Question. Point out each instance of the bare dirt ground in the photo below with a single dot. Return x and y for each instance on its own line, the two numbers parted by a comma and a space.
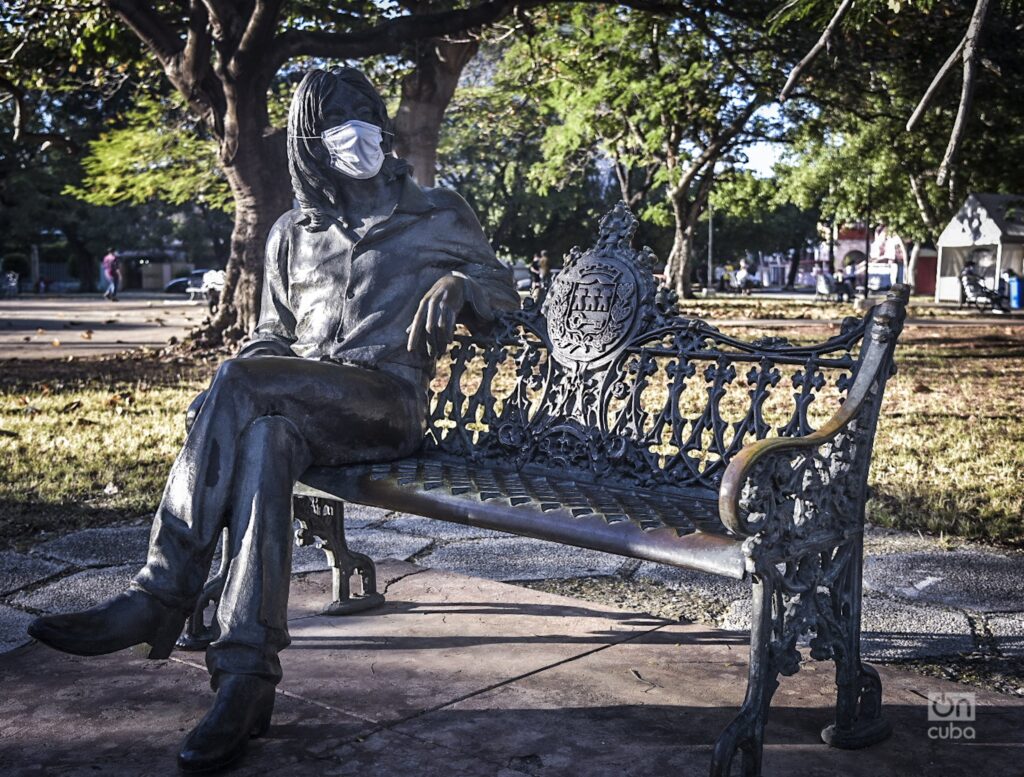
88, 325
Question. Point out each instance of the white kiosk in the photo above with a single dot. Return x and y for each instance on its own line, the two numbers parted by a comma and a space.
989, 229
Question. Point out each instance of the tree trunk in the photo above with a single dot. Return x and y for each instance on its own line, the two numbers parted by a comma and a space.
84, 265
680, 259
258, 176
911, 273
832, 245
794, 267
426, 92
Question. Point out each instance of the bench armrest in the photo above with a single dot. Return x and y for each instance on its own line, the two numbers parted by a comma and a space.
792, 488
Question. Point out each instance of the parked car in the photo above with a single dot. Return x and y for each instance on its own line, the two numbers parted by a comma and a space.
200, 284
182, 285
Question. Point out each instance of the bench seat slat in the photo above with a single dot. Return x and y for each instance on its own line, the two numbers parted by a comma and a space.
677, 528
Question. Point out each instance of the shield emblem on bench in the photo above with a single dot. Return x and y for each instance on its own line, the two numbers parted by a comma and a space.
593, 307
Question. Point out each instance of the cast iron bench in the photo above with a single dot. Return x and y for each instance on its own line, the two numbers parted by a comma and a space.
603, 419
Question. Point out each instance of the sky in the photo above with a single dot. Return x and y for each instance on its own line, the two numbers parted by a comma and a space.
762, 158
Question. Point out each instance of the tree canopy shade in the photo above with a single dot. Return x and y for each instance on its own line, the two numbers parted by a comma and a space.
57, 94
753, 215
967, 53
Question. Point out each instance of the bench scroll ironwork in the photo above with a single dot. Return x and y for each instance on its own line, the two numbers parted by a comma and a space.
603, 418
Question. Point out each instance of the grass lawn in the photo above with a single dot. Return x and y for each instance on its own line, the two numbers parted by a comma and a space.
89, 442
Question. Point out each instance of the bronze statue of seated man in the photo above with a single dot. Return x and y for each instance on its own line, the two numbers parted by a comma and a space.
364, 283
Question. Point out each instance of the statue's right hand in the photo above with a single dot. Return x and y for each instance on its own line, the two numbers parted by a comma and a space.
193, 410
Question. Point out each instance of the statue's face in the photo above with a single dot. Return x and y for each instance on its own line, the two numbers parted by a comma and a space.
347, 104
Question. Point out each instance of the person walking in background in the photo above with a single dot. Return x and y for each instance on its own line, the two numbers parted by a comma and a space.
112, 272
540, 274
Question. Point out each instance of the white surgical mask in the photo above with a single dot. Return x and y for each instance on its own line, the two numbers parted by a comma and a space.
355, 148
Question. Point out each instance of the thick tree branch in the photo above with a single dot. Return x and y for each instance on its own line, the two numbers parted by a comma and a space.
387, 37
194, 61
621, 174
185, 62
924, 208
816, 49
933, 87
259, 32
228, 26
156, 34
971, 40
712, 151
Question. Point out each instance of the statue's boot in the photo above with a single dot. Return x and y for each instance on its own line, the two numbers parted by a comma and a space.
129, 619
241, 711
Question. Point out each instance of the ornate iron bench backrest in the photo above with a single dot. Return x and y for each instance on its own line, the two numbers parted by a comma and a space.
606, 382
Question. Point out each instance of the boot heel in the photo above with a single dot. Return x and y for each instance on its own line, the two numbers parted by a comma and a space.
163, 641
262, 723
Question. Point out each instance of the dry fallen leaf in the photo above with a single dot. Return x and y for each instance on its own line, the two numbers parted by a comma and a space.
55, 343
40, 331
110, 489
121, 398
86, 335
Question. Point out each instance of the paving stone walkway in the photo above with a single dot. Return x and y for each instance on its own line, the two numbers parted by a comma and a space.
921, 601
464, 677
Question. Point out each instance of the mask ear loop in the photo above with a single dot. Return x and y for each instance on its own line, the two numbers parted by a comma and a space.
321, 137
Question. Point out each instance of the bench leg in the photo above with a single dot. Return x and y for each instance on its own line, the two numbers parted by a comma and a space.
859, 722
197, 634
322, 524
746, 732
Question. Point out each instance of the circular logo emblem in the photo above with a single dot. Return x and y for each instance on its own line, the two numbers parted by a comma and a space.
592, 309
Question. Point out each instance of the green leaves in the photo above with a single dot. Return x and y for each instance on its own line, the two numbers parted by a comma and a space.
153, 155
490, 142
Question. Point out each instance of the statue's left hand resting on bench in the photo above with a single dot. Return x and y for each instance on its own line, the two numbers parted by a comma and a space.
364, 283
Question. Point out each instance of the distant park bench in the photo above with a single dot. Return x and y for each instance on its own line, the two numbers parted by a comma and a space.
981, 296
603, 419
829, 288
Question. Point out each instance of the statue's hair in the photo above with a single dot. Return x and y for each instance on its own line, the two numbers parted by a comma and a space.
308, 160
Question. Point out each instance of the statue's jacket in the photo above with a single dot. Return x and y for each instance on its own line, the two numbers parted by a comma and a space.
333, 296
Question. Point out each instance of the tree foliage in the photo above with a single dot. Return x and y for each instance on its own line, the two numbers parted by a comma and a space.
153, 155
491, 143
225, 57
666, 100
753, 216
852, 155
